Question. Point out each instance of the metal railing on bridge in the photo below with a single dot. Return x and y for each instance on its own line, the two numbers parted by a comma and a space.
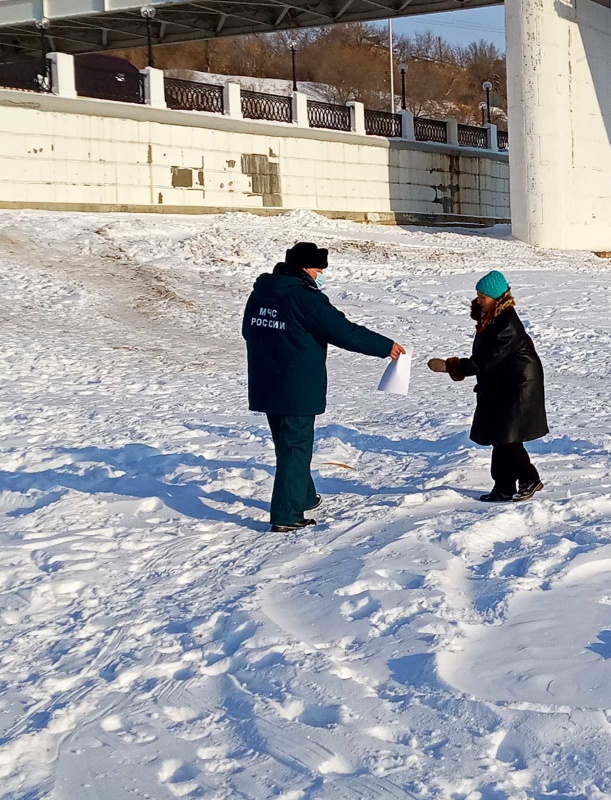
473, 136
272, 107
121, 81
382, 123
28, 75
430, 130
193, 96
328, 115
109, 83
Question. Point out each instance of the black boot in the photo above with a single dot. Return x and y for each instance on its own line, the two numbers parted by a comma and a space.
294, 527
527, 490
316, 505
496, 496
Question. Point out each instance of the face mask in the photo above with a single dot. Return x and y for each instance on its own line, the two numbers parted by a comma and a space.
320, 281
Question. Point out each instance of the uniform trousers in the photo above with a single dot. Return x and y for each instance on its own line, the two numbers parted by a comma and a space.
294, 490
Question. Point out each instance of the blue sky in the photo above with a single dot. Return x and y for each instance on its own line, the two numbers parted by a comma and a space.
460, 27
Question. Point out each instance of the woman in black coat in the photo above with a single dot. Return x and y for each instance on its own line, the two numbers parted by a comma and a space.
510, 389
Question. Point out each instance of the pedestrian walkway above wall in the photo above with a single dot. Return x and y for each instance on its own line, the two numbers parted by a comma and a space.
175, 144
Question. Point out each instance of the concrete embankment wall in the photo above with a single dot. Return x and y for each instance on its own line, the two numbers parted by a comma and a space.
76, 153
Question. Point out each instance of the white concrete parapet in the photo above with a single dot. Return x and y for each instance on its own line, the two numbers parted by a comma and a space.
300, 110
452, 132
407, 125
154, 87
357, 117
493, 141
232, 99
62, 74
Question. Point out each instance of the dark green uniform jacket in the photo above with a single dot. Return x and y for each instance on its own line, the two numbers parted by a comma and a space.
288, 324
510, 387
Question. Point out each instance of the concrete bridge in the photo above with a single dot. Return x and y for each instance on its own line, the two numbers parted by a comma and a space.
559, 63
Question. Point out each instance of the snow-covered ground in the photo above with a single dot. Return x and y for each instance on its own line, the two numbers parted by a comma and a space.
159, 642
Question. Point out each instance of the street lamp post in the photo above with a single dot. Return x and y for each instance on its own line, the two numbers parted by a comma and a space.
148, 12
43, 26
487, 87
403, 70
482, 108
293, 46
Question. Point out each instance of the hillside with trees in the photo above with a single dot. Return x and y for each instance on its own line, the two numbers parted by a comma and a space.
353, 62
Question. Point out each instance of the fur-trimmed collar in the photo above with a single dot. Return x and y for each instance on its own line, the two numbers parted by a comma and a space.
504, 302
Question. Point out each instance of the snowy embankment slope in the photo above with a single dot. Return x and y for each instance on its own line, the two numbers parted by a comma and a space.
315, 91
159, 642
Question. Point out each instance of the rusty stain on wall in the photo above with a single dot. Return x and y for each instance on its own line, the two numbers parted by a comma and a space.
447, 194
182, 178
265, 176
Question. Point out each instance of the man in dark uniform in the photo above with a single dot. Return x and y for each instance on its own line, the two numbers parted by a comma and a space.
288, 324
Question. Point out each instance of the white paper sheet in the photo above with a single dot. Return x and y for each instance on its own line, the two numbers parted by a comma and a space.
396, 377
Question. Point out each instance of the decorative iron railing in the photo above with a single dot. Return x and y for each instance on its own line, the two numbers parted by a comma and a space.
273, 107
126, 86
328, 115
473, 136
430, 130
29, 75
503, 140
193, 96
382, 123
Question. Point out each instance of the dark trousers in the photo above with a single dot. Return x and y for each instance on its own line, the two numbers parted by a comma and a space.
294, 490
511, 463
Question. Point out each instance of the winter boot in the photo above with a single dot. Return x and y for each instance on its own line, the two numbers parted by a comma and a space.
316, 505
295, 527
527, 490
495, 496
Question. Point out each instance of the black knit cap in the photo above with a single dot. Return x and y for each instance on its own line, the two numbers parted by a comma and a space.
308, 255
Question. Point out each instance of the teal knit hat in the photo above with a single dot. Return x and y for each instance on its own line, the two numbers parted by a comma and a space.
493, 285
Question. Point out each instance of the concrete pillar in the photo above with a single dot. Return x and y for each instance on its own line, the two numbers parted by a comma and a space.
407, 125
452, 129
357, 117
154, 88
62, 74
300, 110
493, 137
232, 99
558, 64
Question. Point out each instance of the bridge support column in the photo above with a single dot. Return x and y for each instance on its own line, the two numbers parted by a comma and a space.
559, 62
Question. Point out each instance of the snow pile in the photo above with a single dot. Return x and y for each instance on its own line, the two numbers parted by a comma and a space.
315, 91
160, 642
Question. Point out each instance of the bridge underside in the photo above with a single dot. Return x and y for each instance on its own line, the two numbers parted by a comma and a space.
84, 26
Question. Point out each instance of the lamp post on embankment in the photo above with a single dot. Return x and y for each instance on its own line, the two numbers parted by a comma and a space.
482, 108
293, 46
148, 12
403, 70
487, 87
43, 26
